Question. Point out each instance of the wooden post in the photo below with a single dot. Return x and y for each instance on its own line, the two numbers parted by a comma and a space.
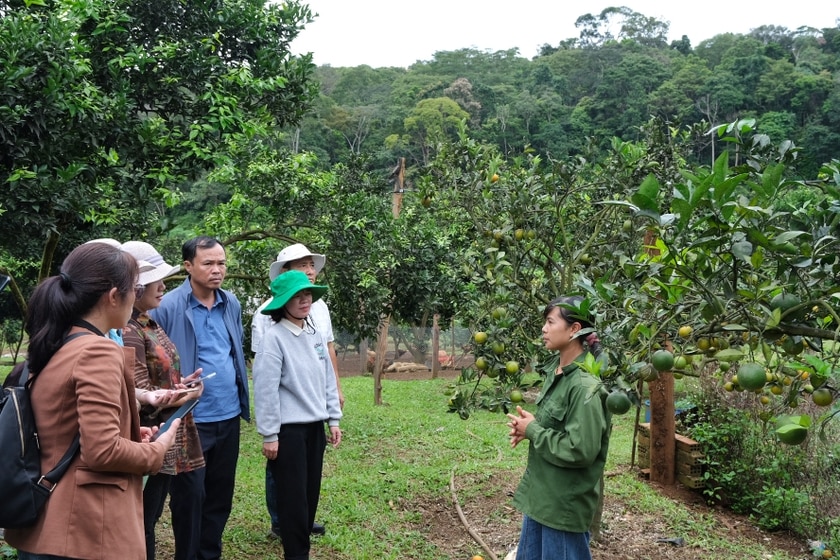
435, 346
662, 429
382, 342
662, 422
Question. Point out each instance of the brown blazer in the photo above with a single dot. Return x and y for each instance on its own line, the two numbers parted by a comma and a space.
96, 510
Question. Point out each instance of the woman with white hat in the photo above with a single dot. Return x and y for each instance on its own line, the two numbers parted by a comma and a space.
160, 387
295, 395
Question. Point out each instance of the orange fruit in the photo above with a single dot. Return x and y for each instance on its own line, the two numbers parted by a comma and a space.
662, 360
618, 402
792, 434
751, 376
822, 397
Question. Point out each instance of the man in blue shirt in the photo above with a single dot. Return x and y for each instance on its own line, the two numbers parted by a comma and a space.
205, 324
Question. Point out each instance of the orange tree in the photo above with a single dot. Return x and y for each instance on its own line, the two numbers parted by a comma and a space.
539, 229
742, 252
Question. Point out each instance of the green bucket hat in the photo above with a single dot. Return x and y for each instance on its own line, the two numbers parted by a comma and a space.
286, 285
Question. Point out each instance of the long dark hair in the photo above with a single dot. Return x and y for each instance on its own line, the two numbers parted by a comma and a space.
87, 273
279, 314
572, 312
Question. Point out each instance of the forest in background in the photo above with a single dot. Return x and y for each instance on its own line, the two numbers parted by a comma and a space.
577, 95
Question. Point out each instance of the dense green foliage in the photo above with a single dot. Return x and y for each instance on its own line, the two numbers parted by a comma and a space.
596, 86
106, 107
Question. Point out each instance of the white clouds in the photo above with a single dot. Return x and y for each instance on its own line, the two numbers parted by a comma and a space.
388, 33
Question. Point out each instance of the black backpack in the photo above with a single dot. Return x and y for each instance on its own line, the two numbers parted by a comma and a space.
23, 491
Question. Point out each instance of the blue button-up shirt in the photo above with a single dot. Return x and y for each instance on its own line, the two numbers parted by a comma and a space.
220, 400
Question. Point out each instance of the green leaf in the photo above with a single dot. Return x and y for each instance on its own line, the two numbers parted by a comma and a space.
646, 198
729, 355
743, 250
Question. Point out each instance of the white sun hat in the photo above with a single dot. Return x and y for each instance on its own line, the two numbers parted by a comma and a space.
142, 251
293, 253
144, 266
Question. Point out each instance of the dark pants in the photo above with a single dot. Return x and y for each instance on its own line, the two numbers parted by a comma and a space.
297, 475
154, 496
201, 500
271, 500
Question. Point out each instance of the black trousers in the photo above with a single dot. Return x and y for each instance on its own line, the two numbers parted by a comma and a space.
154, 497
201, 500
297, 474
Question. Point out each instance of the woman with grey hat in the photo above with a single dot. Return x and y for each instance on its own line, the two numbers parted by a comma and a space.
161, 389
295, 394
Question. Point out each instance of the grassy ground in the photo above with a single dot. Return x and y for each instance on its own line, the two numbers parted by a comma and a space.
394, 468
400, 455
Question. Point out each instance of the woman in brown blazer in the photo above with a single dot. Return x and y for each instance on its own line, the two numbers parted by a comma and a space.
86, 386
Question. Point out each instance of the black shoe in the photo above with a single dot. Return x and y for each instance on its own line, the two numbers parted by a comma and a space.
318, 529
274, 533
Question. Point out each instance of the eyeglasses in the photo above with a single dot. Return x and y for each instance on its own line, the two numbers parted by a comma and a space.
138, 290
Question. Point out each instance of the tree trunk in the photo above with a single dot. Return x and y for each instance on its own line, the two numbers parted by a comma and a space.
435, 346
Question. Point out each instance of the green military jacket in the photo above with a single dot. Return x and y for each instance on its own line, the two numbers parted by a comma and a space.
567, 450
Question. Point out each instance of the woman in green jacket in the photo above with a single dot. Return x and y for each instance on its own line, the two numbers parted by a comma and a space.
568, 440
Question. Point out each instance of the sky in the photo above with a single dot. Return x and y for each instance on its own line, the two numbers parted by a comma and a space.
399, 32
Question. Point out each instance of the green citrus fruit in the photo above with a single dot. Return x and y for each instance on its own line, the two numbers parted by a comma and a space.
512, 367
482, 364
627, 226
783, 302
516, 396
519, 234
618, 402
498, 348
662, 360
480, 337
724, 366
704, 344
822, 397
685, 331
792, 347
649, 373
680, 362
751, 376
498, 313
492, 373
792, 434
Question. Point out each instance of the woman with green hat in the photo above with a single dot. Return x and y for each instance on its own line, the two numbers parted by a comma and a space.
295, 394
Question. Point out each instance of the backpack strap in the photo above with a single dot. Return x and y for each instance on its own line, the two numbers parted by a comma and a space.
49, 480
